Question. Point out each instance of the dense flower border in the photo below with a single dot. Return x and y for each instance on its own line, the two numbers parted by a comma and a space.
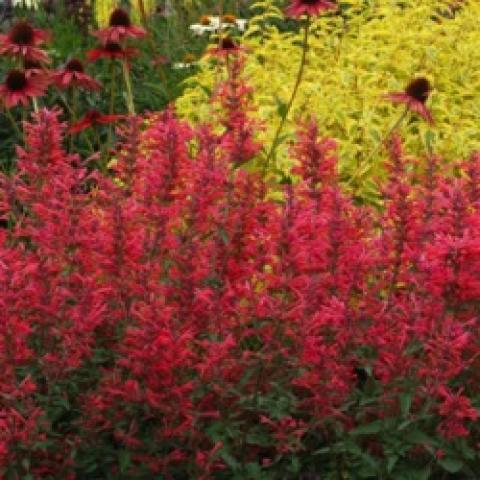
174, 317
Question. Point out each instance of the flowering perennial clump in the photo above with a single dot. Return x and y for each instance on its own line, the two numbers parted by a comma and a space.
176, 305
171, 317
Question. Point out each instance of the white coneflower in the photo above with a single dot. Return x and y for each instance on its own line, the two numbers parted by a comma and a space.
213, 24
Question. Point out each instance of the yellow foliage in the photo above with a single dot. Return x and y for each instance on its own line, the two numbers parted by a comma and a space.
102, 10
148, 6
373, 48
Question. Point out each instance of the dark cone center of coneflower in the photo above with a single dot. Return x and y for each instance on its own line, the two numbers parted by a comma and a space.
74, 65
29, 64
419, 89
119, 18
16, 81
113, 47
22, 33
229, 18
228, 44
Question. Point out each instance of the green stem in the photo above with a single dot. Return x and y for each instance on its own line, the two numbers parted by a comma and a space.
73, 112
367, 161
128, 85
150, 40
64, 101
298, 80
9, 115
111, 109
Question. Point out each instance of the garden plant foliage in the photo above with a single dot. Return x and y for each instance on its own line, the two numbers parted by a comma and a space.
355, 57
273, 279
168, 319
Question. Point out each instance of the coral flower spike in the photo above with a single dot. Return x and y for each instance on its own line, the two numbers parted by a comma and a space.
22, 42
309, 7
414, 97
19, 88
73, 75
119, 28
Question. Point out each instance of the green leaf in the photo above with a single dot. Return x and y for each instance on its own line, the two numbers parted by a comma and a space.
417, 437
281, 107
429, 140
229, 460
451, 465
259, 439
369, 429
405, 403
124, 460
391, 462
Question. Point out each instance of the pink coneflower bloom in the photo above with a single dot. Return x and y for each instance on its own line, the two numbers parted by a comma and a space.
22, 42
309, 7
19, 88
119, 28
111, 50
73, 75
94, 117
37, 72
225, 47
414, 97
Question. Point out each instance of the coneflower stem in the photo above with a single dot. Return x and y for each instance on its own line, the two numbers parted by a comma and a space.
74, 112
128, 85
298, 80
9, 115
113, 84
35, 104
163, 78
146, 26
64, 101
367, 161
